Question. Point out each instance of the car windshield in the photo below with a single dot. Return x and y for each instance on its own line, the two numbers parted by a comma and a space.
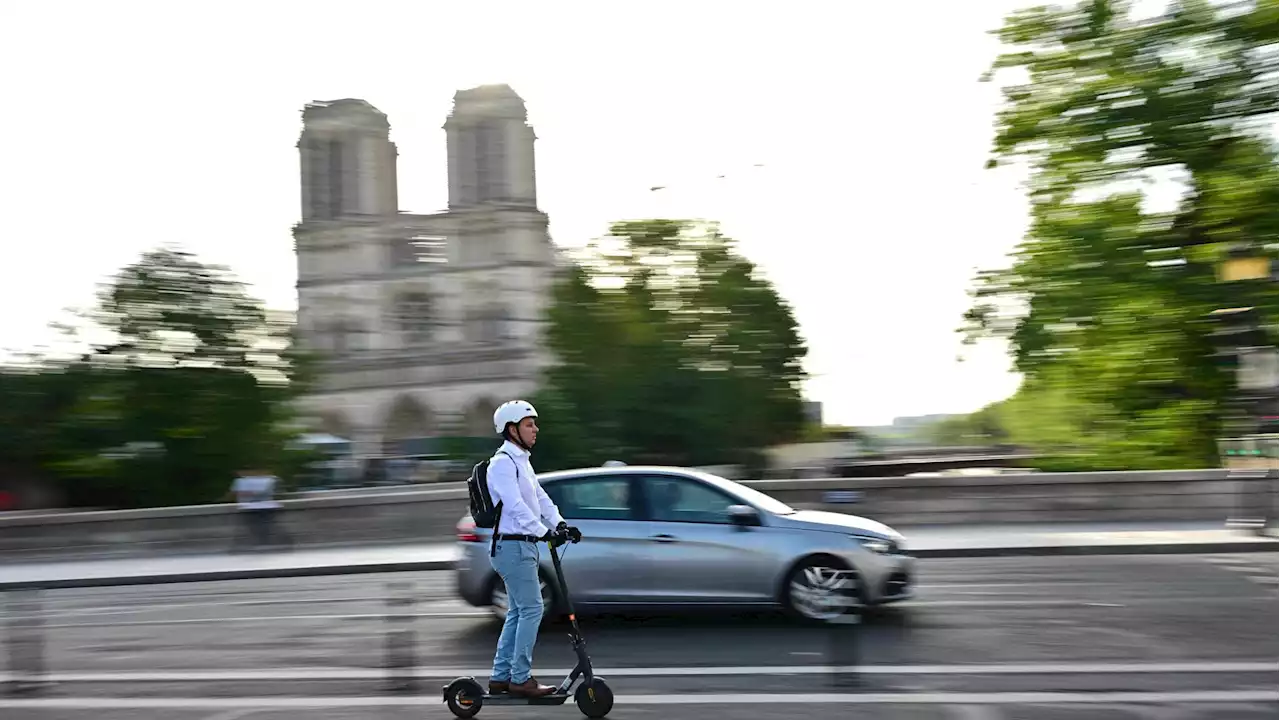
765, 502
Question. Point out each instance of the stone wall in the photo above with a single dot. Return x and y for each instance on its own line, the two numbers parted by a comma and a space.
349, 518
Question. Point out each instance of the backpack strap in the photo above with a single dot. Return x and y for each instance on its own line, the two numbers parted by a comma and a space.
497, 509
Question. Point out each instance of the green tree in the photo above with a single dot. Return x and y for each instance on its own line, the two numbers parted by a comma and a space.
670, 348
1106, 302
984, 427
34, 401
196, 382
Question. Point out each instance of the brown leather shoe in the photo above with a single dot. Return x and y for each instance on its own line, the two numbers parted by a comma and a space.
530, 689
497, 687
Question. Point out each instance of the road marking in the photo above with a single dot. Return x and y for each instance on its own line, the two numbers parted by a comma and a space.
463, 611
454, 614
1226, 559
233, 714
1254, 572
1080, 602
144, 609
1016, 584
1162, 712
925, 698
295, 674
975, 712
219, 588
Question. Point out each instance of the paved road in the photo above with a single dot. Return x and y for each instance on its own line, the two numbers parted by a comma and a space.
768, 711
1074, 627
1226, 710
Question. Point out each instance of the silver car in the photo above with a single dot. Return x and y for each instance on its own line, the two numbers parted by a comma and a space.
657, 538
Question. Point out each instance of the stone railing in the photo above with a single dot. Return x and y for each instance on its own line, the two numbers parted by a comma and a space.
412, 515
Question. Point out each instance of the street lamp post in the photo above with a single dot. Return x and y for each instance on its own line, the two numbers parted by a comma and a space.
1249, 450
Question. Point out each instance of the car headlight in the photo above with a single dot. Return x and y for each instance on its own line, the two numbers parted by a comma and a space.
877, 545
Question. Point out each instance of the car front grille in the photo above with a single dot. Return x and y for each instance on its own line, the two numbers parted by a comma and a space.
897, 584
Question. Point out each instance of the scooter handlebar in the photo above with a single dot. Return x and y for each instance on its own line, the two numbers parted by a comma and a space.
562, 535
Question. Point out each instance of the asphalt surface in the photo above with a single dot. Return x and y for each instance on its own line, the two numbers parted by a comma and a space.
1194, 635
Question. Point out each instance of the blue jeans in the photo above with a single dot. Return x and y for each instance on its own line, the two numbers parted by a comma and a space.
516, 561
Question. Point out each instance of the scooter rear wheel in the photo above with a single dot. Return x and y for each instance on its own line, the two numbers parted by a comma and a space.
594, 699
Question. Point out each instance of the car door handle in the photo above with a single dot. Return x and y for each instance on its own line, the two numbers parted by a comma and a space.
664, 538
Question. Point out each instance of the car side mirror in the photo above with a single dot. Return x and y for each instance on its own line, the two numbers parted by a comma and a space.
743, 516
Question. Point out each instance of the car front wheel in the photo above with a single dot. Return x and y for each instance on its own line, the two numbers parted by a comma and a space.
499, 600
821, 589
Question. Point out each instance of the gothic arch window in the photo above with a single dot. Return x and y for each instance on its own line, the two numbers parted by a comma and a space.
478, 421
349, 335
326, 175
335, 423
339, 339
336, 176
487, 324
407, 419
414, 316
491, 156
402, 254
338, 336
477, 249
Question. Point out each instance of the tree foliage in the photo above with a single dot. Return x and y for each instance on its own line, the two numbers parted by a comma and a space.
984, 427
1106, 304
670, 348
195, 383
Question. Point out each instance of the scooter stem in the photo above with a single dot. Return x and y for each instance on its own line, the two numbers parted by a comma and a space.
564, 589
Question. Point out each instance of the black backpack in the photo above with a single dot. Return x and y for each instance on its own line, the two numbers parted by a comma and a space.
483, 511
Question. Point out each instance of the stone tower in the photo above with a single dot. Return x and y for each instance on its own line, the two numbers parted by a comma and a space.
348, 161
490, 150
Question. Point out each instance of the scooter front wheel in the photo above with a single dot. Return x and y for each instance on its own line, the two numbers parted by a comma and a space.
465, 698
594, 699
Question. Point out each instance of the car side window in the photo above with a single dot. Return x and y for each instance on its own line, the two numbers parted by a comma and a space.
597, 498
673, 499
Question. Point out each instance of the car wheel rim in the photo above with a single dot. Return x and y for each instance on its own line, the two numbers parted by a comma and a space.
500, 601
822, 593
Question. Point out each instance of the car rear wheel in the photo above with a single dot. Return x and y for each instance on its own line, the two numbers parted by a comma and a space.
819, 589
499, 600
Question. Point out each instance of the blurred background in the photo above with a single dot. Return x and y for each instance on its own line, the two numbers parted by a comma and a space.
991, 273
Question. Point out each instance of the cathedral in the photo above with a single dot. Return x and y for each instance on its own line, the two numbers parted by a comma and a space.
423, 323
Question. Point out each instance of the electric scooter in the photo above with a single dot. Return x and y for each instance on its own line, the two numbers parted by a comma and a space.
465, 696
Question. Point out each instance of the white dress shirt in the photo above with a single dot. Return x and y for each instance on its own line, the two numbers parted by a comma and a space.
525, 504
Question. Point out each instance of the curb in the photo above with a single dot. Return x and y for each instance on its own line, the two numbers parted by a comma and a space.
1155, 548
1187, 548
217, 575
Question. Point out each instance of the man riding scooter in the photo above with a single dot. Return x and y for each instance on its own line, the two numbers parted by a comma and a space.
525, 506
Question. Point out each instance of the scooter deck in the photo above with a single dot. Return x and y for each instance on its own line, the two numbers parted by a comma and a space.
505, 699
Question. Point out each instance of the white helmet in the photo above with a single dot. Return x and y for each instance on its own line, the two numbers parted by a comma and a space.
511, 412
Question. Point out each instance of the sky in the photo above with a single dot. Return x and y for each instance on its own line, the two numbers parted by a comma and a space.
132, 125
